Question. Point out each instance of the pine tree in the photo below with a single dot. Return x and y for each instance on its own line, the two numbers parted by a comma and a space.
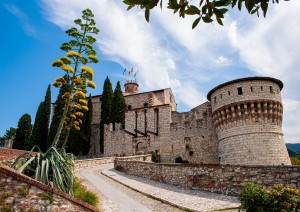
119, 106
41, 123
23, 133
58, 112
106, 109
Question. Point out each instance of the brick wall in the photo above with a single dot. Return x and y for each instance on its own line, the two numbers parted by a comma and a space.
224, 179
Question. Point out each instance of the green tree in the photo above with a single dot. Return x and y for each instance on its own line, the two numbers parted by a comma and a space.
119, 106
57, 114
86, 144
9, 134
23, 133
41, 123
205, 10
106, 109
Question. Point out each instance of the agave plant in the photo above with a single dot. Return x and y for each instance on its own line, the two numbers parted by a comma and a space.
54, 167
51, 168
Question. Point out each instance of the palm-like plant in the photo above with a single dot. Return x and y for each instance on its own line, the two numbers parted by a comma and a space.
54, 167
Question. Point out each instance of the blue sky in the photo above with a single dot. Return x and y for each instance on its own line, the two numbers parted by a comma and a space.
167, 52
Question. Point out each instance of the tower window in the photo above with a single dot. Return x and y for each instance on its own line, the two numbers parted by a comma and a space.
221, 96
240, 90
215, 99
146, 104
129, 107
271, 89
228, 93
251, 88
261, 88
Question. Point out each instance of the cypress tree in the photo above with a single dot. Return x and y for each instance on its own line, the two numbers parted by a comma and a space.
58, 112
106, 109
41, 123
23, 133
119, 106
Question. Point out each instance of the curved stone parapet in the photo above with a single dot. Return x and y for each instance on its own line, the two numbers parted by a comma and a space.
247, 115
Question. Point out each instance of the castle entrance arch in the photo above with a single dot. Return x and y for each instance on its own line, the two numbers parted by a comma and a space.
140, 145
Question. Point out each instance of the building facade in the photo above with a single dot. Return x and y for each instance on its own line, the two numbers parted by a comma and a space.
239, 124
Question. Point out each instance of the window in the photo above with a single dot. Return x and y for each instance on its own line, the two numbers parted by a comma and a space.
240, 90
271, 89
251, 88
228, 93
215, 99
221, 96
146, 104
129, 107
261, 88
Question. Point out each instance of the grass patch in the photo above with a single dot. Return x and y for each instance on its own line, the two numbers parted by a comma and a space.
47, 196
5, 195
80, 192
23, 191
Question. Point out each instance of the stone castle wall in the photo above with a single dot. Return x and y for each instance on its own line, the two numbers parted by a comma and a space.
178, 134
193, 133
225, 179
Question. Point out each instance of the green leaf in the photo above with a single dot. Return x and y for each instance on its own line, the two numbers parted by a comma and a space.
22, 168
240, 4
196, 22
233, 3
192, 10
264, 6
219, 21
218, 13
249, 5
147, 15
207, 19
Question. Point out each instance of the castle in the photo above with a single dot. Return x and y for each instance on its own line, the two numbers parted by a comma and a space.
239, 124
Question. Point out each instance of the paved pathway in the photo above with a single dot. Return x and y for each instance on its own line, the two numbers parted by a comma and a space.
118, 199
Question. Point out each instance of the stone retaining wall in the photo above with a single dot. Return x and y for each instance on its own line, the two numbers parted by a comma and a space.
21, 193
225, 179
80, 164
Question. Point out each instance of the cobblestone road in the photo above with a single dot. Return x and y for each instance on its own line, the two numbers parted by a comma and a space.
186, 199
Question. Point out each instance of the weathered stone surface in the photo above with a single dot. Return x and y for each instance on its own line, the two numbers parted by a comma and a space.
211, 177
240, 125
33, 200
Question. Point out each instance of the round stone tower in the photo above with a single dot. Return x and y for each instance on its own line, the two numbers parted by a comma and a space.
131, 86
247, 115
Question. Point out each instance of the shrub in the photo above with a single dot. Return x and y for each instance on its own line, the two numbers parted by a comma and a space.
280, 198
253, 198
295, 161
154, 157
83, 194
178, 159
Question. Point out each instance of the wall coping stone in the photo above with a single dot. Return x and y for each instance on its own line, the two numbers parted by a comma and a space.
17, 175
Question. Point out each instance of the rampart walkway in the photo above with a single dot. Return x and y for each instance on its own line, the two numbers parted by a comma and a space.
192, 200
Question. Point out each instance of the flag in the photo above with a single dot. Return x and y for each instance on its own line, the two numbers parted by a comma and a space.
124, 71
129, 72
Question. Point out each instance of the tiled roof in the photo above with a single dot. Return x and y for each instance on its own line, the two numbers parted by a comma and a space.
7, 154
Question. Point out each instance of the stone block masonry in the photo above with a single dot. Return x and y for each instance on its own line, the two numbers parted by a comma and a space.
224, 179
21, 193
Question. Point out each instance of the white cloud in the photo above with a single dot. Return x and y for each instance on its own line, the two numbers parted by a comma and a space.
168, 53
271, 47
